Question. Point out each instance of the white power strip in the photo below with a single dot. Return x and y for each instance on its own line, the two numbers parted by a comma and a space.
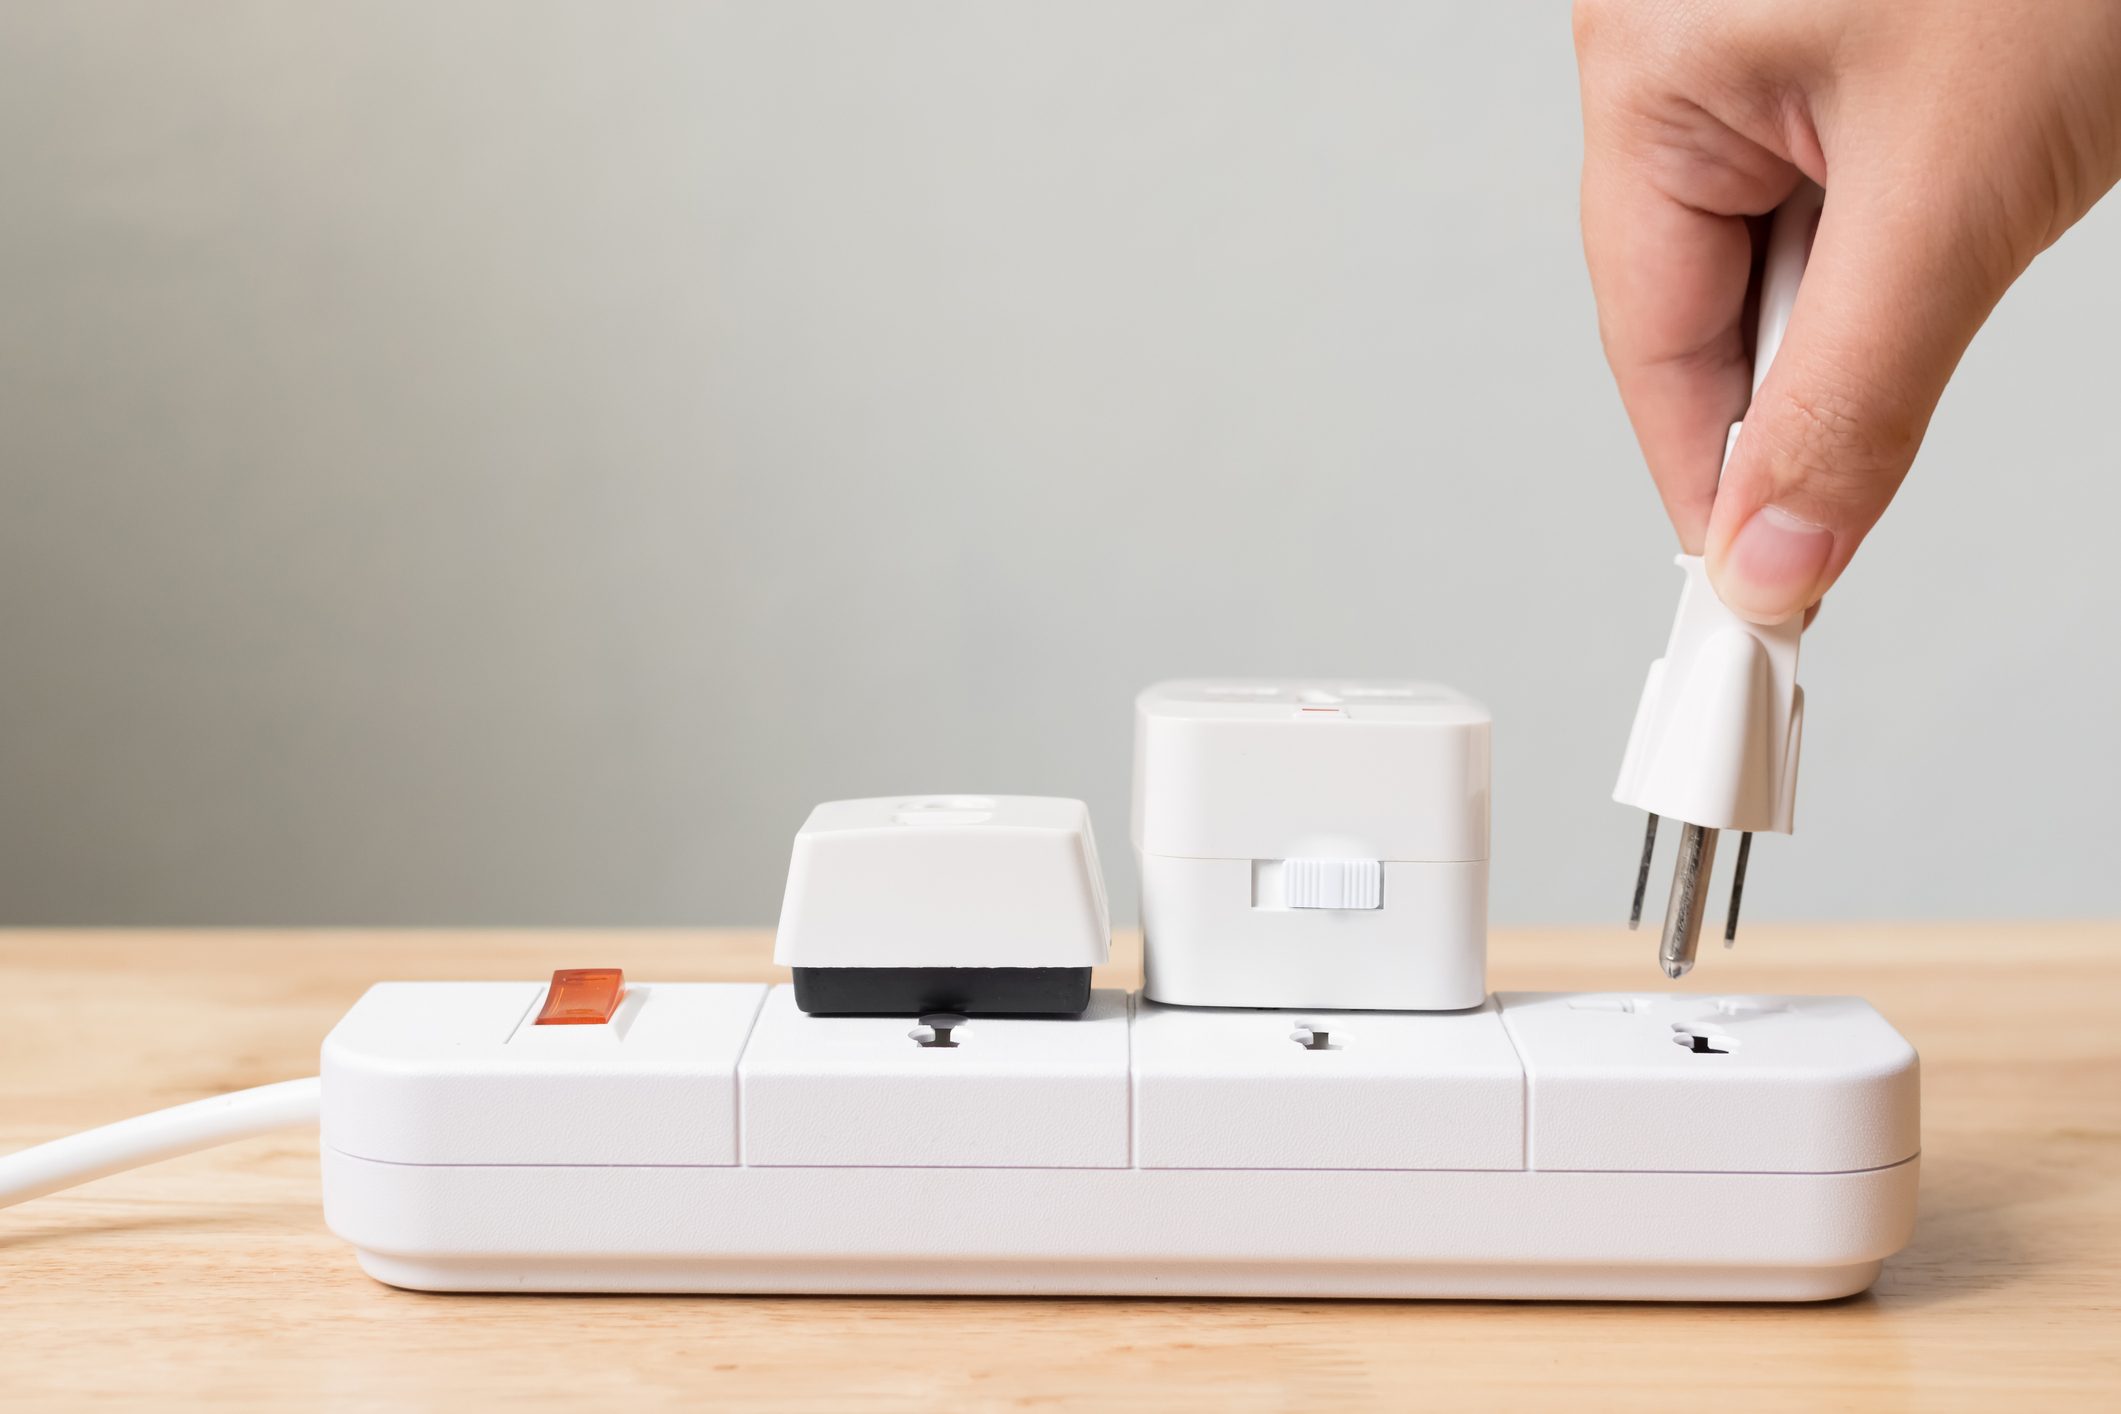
713, 1138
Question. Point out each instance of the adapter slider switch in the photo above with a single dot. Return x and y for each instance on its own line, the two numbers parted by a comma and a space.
1332, 883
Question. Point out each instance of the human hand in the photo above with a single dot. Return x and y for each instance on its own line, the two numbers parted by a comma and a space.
1957, 139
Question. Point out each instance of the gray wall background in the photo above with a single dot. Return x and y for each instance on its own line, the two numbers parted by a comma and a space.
501, 463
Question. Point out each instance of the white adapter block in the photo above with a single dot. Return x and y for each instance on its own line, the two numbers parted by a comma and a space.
1312, 843
1539, 1146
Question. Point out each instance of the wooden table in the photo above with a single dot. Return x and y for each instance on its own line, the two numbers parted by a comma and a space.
211, 1279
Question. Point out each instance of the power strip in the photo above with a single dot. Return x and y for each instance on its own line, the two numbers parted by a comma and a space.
713, 1138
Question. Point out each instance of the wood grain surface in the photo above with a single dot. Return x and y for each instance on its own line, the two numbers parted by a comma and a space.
211, 1280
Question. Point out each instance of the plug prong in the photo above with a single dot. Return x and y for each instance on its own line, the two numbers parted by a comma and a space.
1642, 875
1730, 924
1682, 915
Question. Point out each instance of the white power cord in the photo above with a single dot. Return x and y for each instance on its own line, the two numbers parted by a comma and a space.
150, 1138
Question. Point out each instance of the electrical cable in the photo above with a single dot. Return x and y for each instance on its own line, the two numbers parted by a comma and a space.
150, 1138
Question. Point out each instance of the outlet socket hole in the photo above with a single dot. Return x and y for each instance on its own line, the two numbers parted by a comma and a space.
940, 1031
1704, 1041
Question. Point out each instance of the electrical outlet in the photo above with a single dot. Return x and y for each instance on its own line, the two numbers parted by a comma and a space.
1726, 1084
937, 1092
1325, 1090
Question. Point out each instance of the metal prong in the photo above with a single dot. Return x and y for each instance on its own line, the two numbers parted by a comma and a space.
1682, 916
1730, 924
1642, 875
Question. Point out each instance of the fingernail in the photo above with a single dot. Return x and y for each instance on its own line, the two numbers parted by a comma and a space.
1772, 567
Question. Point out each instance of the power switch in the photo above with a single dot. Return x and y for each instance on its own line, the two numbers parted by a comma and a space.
582, 996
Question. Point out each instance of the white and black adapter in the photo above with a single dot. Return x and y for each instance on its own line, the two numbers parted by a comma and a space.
945, 904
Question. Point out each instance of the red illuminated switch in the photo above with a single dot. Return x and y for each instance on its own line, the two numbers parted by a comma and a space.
582, 996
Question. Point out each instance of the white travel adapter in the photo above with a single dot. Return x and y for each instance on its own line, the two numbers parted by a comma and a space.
1313, 843
945, 903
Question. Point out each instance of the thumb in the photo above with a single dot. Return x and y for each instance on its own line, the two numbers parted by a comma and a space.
1894, 293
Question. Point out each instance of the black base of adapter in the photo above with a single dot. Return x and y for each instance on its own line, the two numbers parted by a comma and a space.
969, 991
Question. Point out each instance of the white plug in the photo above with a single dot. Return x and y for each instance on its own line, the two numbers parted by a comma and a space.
1716, 736
1715, 747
